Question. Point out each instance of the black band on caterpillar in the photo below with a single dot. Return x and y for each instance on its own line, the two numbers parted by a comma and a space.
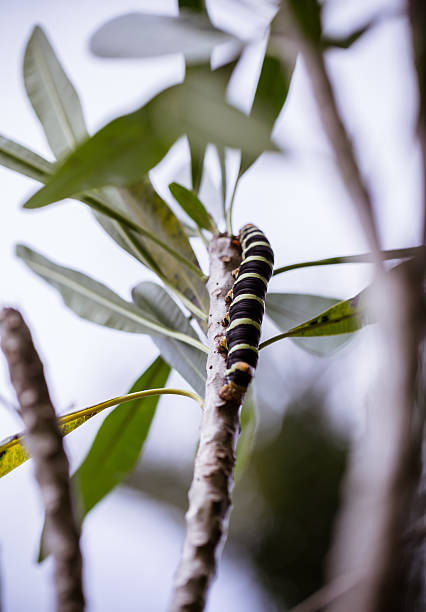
247, 304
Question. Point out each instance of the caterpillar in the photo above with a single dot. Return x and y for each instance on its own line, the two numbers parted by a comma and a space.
246, 307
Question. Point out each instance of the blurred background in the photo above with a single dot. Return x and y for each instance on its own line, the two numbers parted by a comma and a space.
310, 407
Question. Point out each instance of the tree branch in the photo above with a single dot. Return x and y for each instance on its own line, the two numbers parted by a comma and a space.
335, 130
51, 464
210, 492
384, 473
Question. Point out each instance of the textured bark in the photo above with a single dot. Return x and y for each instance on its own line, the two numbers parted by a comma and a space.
51, 464
210, 492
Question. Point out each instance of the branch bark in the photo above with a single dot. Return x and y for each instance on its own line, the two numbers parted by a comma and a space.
210, 492
44, 442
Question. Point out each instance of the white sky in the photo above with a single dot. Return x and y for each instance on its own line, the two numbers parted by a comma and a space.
129, 547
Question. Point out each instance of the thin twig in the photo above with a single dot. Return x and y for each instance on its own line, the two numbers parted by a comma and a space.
51, 464
210, 492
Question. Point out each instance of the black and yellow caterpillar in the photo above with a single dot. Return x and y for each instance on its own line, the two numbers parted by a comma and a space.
245, 315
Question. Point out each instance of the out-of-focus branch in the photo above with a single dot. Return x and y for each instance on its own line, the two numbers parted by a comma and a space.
384, 474
51, 464
333, 124
210, 492
382, 483
417, 13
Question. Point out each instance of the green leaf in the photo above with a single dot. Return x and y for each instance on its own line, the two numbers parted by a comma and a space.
124, 150
193, 207
152, 212
197, 166
145, 35
22, 160
271, 94
96, 302
119, 441
362, 258
291, 311
308, 15
192, 5
52, 96
185, 359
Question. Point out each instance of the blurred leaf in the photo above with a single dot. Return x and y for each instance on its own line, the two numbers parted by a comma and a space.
192, 5
119, 441
308, 15
271, 93
245, 445
296, 477
290, 311
96, 302
345, 42
185, 359
193, 207
124, 150
146, 35
52, 96
22, 160
197, 166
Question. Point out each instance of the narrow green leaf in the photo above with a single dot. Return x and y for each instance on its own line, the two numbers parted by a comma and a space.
146, 35
124, 150
271, 94
289, 311
193, 207
197, 166
185, 359
52, 96
362, 258
119, 441
95, 302
22, 160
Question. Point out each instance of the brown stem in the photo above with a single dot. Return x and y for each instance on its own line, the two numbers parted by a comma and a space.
210, 492
51, 464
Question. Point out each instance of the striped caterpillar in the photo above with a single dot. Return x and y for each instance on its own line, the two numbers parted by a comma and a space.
244, 318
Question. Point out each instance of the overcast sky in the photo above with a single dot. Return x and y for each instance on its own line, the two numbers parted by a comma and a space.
298, 201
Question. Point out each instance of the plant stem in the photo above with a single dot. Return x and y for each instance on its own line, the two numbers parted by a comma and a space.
362, 258
210, 492
51, 464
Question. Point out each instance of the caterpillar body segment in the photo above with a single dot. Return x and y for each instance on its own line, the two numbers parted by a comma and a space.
246, 307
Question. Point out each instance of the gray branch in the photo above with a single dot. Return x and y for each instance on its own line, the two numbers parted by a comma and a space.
44, 442
210, 492
384, 473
